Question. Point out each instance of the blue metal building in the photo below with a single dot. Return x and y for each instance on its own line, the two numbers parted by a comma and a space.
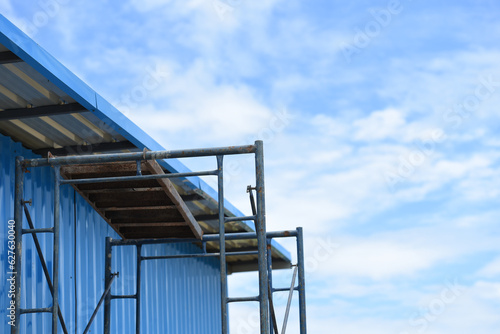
45, 108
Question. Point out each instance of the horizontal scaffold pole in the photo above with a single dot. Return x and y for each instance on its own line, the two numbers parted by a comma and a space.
148, 155
182, 256
206, 238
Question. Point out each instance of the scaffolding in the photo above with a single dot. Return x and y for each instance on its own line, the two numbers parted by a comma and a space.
268, 323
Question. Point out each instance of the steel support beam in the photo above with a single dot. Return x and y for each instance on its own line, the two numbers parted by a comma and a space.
52, 110
86, 149
8, 57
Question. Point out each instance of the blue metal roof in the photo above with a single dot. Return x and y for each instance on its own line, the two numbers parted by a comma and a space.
75, 90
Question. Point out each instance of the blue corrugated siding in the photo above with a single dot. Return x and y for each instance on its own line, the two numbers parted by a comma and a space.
179, 296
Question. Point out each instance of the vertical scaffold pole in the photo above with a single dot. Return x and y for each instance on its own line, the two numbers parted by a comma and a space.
222, 245
272, 319
18, 220
107, 279
261, 238
55, 274
302, 280
138, 292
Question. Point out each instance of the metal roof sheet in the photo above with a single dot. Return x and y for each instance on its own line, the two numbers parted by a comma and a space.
52, 109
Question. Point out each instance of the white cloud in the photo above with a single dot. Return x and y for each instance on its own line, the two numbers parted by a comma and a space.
221, 113
473, 311
436, 174
380, 125
404, 253
330, 126
386, 256
491, 270
148, 5
382, 260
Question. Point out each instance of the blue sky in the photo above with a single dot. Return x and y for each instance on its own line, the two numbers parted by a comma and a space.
380, 123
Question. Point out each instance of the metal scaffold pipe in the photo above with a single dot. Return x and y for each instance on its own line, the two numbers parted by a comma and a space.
18, 220
260, 226
148, 155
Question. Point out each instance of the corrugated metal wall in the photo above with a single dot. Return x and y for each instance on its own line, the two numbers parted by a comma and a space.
179, 296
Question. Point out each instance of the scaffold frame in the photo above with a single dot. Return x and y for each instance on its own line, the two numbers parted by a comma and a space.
263, 237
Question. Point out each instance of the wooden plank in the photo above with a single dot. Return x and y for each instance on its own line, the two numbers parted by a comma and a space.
126, 190
157, 232
117, 230
120, 185
161, 224
134, 208
131, 203
172, 193
97, 170
131, 199
148, 209
117, 217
